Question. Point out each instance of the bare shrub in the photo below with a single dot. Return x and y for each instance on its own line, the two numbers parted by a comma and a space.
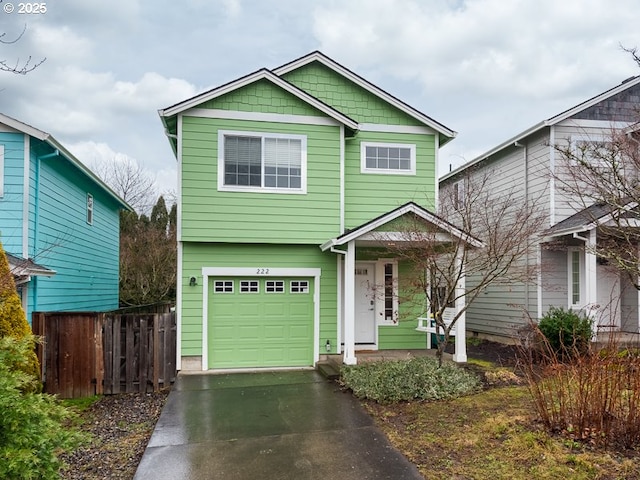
591, 396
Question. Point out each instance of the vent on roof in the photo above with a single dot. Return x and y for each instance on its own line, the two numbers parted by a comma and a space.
627, 80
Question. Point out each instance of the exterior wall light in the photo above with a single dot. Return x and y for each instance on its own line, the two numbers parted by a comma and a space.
327, 346
193, 281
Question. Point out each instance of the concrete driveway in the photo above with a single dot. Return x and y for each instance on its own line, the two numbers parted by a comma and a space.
274, 425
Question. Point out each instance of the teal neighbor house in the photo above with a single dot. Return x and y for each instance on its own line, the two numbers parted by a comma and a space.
291, 182
59, 224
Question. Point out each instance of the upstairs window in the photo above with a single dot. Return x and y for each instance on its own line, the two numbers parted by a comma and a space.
388, 158
594, 151
89, 209
259, 162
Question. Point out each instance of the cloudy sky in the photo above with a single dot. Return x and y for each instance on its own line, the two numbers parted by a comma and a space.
487, 69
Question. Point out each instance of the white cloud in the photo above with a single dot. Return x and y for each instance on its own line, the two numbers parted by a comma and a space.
520, 47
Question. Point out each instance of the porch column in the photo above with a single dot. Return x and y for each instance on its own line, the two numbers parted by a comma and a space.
591, 284
350, 304
460, 354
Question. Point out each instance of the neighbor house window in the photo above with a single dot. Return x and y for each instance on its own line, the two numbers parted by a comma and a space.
593, 150
458, 194
90, 209
262, 162
388, 158
575, 277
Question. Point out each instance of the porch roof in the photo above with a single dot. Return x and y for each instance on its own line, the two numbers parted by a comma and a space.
445, 230
589, 218
21, 267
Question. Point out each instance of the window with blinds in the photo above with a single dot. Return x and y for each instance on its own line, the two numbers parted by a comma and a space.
262, 162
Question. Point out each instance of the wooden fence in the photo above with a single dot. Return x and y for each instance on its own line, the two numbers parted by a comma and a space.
87, 353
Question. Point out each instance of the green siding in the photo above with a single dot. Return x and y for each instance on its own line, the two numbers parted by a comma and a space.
403, 335
264, 97
198, 255
252, 217
346, 96
368, 195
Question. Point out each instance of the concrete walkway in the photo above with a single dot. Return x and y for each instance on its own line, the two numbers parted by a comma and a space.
274, 425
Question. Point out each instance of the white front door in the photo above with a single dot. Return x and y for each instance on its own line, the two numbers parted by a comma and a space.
365, 301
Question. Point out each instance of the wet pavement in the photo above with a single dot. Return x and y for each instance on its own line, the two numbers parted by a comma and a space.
292, 425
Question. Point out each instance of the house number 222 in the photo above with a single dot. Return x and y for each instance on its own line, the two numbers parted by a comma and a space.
262, 271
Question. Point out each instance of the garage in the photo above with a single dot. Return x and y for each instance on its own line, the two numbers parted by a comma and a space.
260, 322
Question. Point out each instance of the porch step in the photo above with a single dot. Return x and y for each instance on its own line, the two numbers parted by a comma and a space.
328, 369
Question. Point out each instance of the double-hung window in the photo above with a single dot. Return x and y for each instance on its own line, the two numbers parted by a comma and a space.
394, 158
262, 162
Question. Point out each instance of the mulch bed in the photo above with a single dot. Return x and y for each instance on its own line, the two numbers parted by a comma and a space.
119, 427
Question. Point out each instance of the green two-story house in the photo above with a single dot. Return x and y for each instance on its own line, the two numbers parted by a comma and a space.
287, 177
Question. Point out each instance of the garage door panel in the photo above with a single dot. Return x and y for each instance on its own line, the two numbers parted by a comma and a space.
259, 329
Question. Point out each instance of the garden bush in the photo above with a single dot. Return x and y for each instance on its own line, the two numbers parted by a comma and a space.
403, 380
31, 424
567, 333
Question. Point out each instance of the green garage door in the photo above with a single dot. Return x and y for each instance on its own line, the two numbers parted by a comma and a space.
260, 322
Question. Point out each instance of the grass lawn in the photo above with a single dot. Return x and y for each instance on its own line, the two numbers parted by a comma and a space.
492, 435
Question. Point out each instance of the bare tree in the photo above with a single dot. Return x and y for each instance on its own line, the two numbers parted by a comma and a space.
448, 272
598, 177
18, 67
129, 180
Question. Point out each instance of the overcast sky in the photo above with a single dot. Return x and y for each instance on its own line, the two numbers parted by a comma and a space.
487, 69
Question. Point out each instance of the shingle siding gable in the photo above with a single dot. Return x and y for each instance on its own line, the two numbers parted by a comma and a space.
264, 97
347, 97
622, 107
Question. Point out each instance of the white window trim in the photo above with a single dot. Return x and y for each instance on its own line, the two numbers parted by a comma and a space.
459, 194
581, 278
387, 171
380, 299
241, 188
593, 138
224, 286
1, 171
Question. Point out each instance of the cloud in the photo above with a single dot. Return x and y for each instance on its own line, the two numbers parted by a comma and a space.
518, 47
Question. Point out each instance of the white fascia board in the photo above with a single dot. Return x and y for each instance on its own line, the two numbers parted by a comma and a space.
23, 127
261, 117
410, 208
361, 82
251, 78
382, 128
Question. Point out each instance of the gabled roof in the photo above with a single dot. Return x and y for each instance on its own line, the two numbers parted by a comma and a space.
587, 219
48, 138
262, 74
407, 208
275, 77
629, 83
318, 56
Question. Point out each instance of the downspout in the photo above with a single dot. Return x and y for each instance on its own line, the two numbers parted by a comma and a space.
36, 219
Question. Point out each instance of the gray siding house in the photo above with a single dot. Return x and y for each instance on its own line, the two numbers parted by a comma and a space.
569, 273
